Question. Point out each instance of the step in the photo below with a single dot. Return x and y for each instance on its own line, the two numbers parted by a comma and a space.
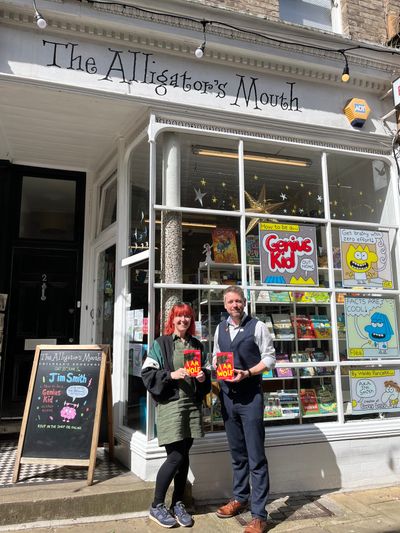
33, 502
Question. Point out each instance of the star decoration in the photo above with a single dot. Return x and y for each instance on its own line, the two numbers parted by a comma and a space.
214, 199
261, 205
335, 202
301, 210
203, 182
301, 184
319, 198
255, 177
285, 211
283, 196
287, 187
334, 215
199, 196
233, 206
223, 184
309, 193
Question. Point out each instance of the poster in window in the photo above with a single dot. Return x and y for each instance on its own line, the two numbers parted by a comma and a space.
371, 328
288, 254
224, 245
375, 390
365, 259
252, 250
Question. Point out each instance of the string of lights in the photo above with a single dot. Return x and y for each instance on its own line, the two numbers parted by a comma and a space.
204, 24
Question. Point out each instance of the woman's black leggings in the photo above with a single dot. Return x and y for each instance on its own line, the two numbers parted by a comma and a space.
175, 468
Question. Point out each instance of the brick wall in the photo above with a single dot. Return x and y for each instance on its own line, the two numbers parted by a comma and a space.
268, 9
364, 20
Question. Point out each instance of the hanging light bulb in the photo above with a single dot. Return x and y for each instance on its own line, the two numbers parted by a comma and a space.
199, 52
346, 70
40, 21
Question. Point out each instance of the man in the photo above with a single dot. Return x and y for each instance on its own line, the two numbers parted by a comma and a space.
242, 407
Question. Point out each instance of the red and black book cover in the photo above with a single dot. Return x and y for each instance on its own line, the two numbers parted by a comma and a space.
192, 363
225, 366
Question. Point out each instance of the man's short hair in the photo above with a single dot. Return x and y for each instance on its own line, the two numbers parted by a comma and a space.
235, 288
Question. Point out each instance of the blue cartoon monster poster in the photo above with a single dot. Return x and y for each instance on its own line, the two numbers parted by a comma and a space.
371, 328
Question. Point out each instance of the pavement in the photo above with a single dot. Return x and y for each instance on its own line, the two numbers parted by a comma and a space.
367, 511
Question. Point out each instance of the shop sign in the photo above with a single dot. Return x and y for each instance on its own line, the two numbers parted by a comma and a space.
396, 93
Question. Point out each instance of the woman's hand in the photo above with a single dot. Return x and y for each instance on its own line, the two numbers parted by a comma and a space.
201, 376
179, 374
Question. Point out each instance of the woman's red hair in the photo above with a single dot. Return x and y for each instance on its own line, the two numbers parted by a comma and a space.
180, 310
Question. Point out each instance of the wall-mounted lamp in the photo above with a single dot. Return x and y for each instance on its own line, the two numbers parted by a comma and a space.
346, 70
199, 52
40, 21
252, 156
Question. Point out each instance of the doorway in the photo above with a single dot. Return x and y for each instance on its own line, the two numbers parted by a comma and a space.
44, 273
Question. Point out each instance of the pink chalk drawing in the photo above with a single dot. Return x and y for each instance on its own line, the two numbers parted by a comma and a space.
68, 412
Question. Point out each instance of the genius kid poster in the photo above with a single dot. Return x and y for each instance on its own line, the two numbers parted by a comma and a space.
288, 254
371, 328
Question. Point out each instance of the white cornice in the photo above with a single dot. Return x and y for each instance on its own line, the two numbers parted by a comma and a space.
224, 46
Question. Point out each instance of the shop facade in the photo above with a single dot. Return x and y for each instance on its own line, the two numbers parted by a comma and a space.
185, 163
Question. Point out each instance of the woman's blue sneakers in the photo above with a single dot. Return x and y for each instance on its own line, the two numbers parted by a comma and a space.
182, 516
162, 516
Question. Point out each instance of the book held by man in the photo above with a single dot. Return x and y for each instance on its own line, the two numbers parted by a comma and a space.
192, 362
225, 367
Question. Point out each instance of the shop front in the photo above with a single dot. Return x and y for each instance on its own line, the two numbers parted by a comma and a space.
239, 168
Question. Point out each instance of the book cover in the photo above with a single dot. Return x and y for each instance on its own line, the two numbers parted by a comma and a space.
225, 366
319, 356
270, 326
282, 326
279, 296
309, 297
326, 399
341, 326
252, 250
289, 402
272, 406
267, 374
192, 362
303, 326
366, 258
303, 357
283, 372
309, 402
288, 254
224, 245
322, 326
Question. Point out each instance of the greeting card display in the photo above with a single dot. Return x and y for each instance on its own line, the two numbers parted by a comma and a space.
371, 328
225, 366
192, 362
366, 259
224, 245
288, 254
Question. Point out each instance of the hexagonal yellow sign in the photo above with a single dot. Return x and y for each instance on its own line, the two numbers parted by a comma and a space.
357, 112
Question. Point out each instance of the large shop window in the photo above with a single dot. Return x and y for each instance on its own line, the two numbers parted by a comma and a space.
312, 239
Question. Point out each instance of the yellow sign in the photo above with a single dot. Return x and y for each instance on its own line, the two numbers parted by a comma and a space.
357, 112
371, 373
267, 226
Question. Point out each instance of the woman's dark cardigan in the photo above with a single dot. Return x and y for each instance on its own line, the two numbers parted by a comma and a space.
157, 379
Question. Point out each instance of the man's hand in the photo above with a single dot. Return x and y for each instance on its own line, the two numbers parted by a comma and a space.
201, 376
239, 375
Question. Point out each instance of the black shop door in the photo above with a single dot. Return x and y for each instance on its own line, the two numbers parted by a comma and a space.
44, 308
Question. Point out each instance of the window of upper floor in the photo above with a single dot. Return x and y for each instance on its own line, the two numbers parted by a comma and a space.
320, 14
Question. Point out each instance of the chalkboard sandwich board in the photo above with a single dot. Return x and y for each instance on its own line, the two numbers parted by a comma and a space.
62, 413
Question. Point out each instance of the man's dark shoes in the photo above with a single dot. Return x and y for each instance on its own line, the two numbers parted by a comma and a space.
182, 516
232, 508
257, 525
162, 516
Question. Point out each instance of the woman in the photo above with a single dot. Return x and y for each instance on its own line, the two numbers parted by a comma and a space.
179, 415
